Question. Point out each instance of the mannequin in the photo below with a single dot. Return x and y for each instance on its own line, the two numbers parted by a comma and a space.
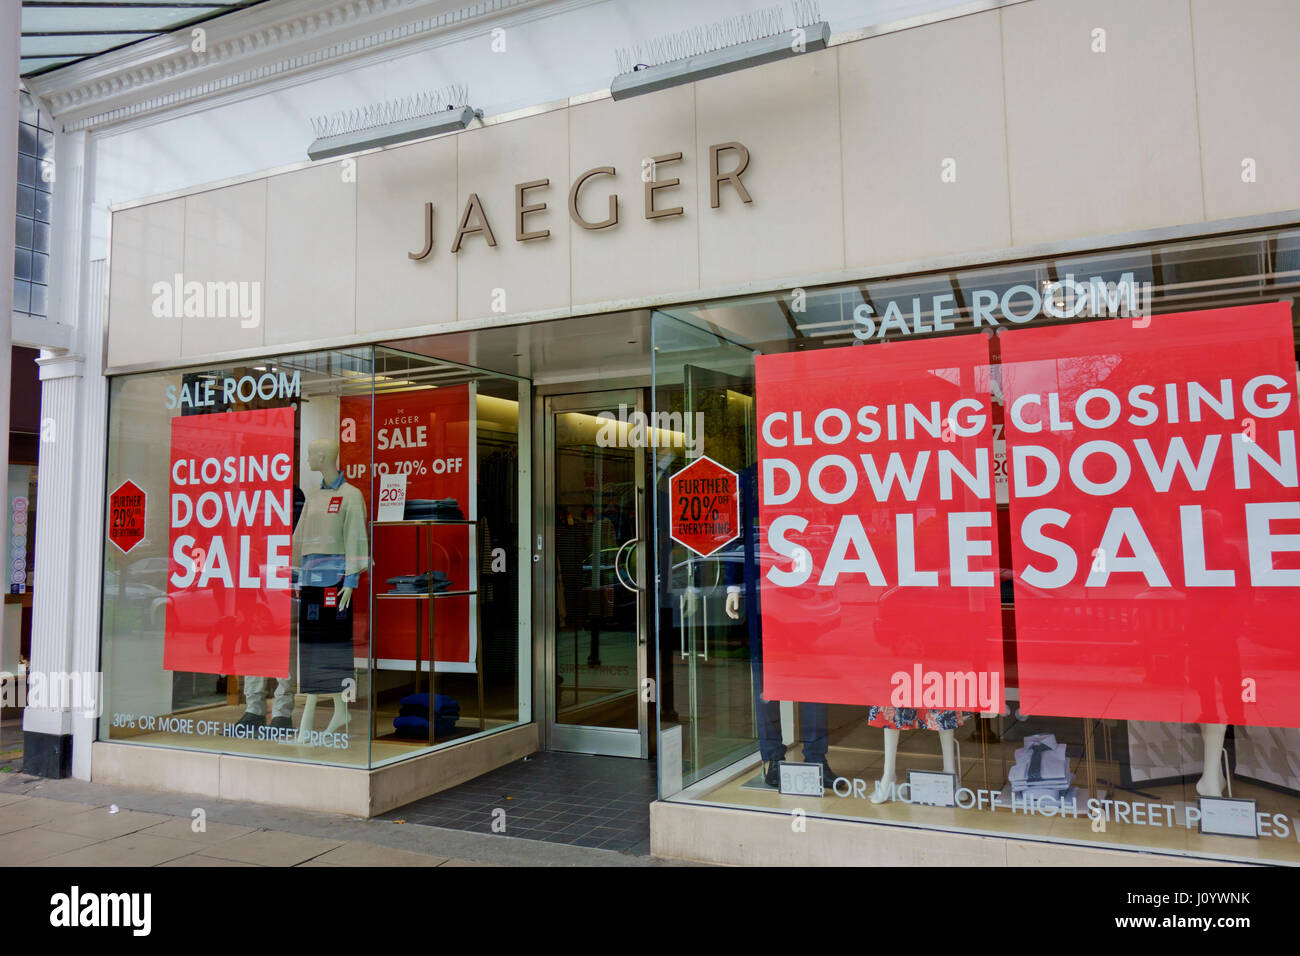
893, 719
812, 716
947, 743
255, 695
330, 551
1220, 691
743, 585
1211, 782
256, 688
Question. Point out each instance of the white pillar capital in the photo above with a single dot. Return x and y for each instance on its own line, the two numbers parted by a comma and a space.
58, 364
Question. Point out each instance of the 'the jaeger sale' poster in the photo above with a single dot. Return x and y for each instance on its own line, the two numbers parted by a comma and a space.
428, 436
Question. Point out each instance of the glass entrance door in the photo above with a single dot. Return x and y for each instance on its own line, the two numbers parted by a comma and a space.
707, 648
594, 580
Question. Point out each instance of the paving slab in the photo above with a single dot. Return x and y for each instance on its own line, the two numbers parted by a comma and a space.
21, 847
183, 829
34, 811
370, 854
198, 859
270, 848
134, 849
103, 824
467, 863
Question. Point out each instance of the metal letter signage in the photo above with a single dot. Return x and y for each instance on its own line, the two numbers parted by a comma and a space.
473, 219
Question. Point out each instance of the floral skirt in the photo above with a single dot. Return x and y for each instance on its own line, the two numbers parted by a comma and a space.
915, 718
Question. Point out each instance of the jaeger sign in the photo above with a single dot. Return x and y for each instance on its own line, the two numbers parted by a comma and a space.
528, 202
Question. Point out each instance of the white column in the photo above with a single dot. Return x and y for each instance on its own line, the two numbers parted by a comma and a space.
69, 519
56, 523
9, 44
88, 561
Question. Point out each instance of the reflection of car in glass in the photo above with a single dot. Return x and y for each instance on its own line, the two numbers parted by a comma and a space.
133, 596
711, 573
709, 577
698, 585
126, 587
946, 610
151, 571
210, 609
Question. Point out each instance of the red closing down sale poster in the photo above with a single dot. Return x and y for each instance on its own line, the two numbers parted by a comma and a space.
1155, 515
878, 544
427, 435
231, 518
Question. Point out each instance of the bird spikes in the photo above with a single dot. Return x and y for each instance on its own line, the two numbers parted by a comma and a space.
453, 96
755, 25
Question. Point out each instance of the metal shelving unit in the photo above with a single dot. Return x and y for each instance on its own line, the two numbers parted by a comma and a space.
424, 611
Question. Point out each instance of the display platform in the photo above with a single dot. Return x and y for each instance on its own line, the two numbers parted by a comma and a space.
1100, 813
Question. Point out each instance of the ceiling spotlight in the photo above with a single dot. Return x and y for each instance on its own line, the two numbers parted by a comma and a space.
736, 43
392, 121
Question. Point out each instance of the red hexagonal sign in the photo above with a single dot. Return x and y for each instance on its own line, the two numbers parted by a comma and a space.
705, 506
126, 516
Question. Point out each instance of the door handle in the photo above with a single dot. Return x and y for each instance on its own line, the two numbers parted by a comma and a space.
628, 581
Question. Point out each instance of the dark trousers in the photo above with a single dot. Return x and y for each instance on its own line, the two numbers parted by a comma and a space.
324, 644
812, 724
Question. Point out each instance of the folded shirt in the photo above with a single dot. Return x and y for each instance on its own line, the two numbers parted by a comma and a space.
1041, 764
420, 583
1020, 779
1050, 798
433, 509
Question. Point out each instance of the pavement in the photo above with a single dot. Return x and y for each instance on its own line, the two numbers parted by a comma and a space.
75, 823
11, 744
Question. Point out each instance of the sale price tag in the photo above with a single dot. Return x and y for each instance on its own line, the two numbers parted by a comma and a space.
392, 497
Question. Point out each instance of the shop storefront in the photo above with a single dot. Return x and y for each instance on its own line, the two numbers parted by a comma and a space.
937, 525
331, 523
1025, 570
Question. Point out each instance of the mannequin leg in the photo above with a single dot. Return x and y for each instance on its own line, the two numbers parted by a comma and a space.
885, 786
308, 718
1211, 782
282, 703
255, 696
948, 744
340, 719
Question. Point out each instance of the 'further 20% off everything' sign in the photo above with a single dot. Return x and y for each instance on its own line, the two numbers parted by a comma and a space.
705, 506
